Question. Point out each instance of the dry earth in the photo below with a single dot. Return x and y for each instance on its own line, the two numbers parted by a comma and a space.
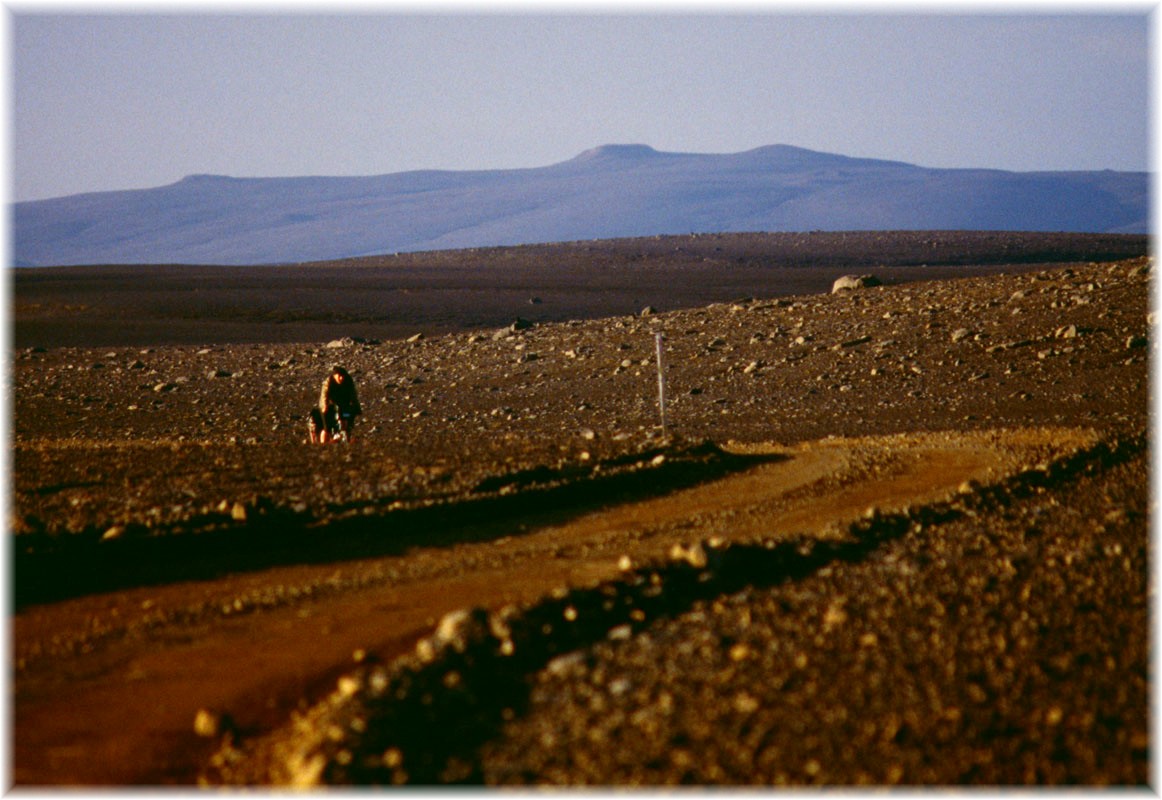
896, 536
397, 296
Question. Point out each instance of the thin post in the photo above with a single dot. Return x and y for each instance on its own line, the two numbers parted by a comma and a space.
661, 384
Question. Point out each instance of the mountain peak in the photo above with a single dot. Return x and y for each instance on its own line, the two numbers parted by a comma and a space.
612, 191
205, 177
622, 152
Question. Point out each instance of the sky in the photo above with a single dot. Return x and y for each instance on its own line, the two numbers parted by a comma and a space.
108, 98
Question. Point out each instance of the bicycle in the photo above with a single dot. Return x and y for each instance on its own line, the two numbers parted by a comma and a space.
339, 425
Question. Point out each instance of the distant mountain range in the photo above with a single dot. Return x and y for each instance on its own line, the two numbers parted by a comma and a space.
608, 192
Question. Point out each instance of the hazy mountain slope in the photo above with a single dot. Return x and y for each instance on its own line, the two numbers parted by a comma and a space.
611, 191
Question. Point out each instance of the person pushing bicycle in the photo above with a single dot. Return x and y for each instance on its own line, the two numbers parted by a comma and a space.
334, 417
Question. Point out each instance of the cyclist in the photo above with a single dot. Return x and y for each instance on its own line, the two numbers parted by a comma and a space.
338, 403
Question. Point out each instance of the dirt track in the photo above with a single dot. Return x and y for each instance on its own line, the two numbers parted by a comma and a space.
177, 548
817, 488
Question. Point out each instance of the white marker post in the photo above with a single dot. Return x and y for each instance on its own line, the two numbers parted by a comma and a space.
661, 384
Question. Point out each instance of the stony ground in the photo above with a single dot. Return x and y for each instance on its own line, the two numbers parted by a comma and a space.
1050, 347
961, 654
995, 638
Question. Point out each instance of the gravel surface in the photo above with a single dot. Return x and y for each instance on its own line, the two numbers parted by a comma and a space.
998, 636
946, 657
1064, 346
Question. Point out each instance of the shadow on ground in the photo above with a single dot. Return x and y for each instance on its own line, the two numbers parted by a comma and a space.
48, 568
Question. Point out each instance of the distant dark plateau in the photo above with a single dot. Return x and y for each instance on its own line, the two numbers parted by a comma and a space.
396, 296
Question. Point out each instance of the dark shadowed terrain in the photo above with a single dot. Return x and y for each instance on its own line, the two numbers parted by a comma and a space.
393, 297
895, 535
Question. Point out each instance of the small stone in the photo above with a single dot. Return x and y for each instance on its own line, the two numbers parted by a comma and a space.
745, 703
115, 532
426, 651
458, 629
238, 512
834, 616
620, 633
562, 665
619, 686
960, 334
392, 757
694, 555
740, 652
348, 685
208, 724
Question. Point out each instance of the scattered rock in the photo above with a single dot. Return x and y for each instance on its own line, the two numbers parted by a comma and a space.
210, 724
851, 282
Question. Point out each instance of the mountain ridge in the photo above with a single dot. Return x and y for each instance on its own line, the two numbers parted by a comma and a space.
610, 191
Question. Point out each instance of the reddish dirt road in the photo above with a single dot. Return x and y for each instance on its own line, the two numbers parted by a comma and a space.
119, 709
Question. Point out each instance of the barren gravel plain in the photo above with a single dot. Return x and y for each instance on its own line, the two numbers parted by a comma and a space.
891, 536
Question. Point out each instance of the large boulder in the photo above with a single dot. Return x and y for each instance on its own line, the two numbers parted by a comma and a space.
849, 282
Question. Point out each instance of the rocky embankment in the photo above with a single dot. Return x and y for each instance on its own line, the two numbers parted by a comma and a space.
963, 642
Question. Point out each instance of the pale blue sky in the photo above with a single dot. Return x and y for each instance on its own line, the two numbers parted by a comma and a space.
141, 98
